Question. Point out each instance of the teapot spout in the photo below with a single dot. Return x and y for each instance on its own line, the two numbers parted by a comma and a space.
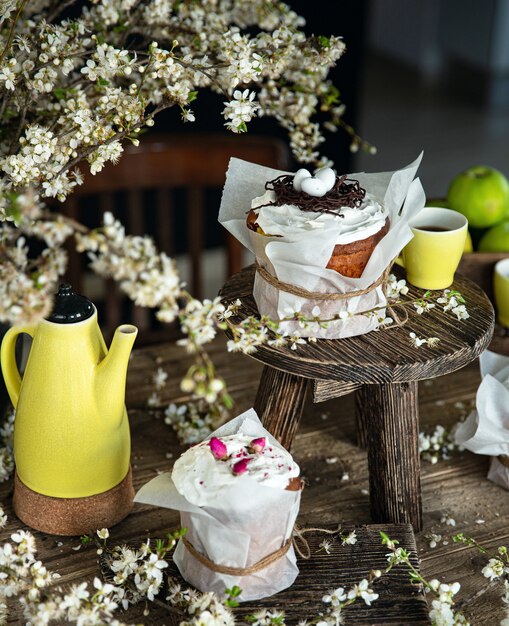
111, 373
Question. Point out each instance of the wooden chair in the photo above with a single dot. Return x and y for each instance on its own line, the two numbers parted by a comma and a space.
177, 171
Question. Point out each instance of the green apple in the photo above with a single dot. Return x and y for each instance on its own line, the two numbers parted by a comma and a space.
496, 239
482, 194
440, 202
468, 243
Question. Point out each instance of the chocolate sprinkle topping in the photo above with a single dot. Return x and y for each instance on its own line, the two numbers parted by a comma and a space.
345, 193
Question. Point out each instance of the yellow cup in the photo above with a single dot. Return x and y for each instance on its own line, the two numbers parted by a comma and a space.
434, 253
501, 290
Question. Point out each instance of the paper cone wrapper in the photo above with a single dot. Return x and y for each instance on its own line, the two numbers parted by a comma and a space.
499, 473
301, 260
252, 522
486, 430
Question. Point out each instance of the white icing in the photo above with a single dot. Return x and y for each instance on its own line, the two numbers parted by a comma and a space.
202, 479
288, 219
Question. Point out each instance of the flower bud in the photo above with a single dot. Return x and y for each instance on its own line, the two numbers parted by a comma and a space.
240, 466
257, 445
218, 449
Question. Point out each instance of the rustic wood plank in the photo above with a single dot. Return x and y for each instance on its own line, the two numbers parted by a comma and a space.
386, 356
279, 403
328, 389
195, 226
235, 251
164, 212
136, 223
362, 426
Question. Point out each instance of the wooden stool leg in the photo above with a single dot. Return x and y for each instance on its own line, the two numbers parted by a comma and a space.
391, 410
361, 421
279, 403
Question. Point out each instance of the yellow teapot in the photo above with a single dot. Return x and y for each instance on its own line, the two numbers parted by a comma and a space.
71, 432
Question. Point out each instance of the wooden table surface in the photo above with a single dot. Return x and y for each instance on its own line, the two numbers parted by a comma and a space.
326, 451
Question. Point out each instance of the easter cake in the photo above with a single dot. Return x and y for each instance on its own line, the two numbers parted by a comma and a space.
305, 202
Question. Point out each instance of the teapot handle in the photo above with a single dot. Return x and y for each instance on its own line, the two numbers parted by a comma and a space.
10, 370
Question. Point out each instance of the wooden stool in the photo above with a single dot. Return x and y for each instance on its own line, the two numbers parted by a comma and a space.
383, 369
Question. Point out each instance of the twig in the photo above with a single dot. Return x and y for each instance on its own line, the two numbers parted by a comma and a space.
204, 71
17, 134
59, 8
13, 28
168, 607
3, 106
77, 226
116, 137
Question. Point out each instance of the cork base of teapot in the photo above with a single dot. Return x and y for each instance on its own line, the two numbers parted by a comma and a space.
73, 516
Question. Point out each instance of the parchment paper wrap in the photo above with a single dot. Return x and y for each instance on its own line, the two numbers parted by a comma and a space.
486, 430
301, 259
252, 522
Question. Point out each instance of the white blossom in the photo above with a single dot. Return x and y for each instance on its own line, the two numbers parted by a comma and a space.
363, 591
494, 569
159, 378
326, 546
395, 288
335, 597
350, 539
240, 110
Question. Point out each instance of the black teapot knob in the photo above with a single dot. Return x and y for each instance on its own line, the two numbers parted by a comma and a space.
70, 307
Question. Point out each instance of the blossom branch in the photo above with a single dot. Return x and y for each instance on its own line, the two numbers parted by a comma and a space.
58, 8
442, 607
10, 36
116, 137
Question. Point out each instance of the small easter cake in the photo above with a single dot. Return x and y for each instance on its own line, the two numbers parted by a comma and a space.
238, 495
303, 202
204, 472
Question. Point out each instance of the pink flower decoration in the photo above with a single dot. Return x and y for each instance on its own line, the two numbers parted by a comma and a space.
218, 449
257, 445
240, 466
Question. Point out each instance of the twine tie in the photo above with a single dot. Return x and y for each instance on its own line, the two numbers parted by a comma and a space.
320, 295
297, 536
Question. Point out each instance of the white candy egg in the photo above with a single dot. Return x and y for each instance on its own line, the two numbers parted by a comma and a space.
327, 176
300, 175
314, 187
